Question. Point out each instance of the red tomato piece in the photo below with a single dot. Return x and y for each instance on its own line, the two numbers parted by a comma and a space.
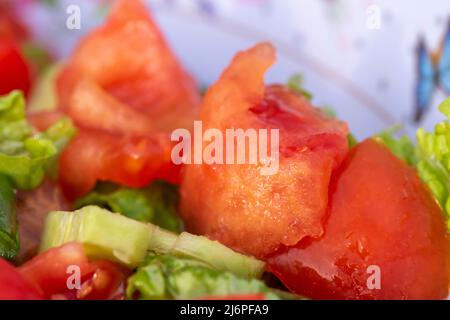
104, 281
132, 161
15, 73
126, 91
385, 237
129, 58
49, 272
90, 106
238, 206
13, 286
93, 155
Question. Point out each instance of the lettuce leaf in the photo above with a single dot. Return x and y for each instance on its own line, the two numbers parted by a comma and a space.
170, 277
25, 156
9, 233
430, 155
156, 204
402, 147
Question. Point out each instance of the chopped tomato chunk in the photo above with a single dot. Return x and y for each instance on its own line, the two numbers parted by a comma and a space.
385, 237
132, 161
53, 273
14, 70
237, 205
92, 107
13, 286
125, 91
129, 58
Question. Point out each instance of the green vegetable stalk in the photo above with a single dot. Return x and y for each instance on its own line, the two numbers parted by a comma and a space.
112, 236
211, 253
105, 235
9, 237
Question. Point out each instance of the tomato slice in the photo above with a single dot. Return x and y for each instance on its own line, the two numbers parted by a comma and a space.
126, 91
239, 206
127, 159
92, 107
48, 271
51, 271
385, 237
13, 68
13, 286
132, 161
129, 58
105, 281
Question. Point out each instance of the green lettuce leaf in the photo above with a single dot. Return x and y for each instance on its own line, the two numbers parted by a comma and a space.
168, 277
25, 156
402, 147
9, 234
156, 204
430, 156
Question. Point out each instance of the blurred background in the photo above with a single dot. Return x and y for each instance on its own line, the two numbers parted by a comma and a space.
358, 57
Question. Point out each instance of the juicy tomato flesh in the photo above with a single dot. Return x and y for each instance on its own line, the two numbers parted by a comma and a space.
132, 161
240, 207
129, 59
13, 286
53, 274
13, 68
385, 237
124, 114
92, 107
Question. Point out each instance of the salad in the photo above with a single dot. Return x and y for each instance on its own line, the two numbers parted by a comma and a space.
99, 198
